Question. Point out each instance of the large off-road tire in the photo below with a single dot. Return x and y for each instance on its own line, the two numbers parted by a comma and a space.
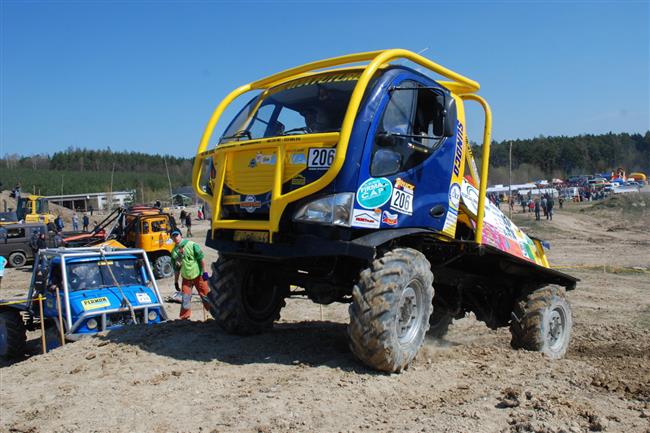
389, 314
439, 322
163, 267
244, 297
542, 322
12, 335
17, 259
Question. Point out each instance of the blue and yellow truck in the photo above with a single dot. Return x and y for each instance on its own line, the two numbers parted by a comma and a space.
353, 178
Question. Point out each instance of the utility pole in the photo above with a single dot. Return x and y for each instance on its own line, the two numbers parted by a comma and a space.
510, 181
171, 195
110, 193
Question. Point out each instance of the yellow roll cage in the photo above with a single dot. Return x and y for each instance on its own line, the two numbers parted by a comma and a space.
459, 84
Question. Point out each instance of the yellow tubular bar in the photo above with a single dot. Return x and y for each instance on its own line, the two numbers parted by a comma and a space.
279, 202
485, 161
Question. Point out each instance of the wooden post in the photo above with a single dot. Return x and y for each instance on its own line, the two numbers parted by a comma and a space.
40, 308
58, 309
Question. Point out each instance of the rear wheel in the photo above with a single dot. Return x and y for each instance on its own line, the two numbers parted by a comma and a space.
162, 267
17, 259
244, 296
542, 321
389, 315
12, 335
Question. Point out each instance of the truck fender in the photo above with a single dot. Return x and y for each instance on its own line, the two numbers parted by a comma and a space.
382, 236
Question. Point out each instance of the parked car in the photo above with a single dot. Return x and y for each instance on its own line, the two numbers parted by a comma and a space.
15, 248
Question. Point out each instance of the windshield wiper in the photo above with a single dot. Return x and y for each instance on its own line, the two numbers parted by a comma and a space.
238, 135
303, 129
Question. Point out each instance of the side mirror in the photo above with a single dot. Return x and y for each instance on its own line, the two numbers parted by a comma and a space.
450, 117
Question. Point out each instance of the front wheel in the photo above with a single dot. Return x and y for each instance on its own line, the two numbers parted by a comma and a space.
244, 297
12, 335
542, 321
389, 314
162, 267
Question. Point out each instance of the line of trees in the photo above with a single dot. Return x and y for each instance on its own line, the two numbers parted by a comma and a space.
84, 170
76, 171
560, 157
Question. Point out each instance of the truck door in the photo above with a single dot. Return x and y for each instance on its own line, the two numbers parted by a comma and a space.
413, 159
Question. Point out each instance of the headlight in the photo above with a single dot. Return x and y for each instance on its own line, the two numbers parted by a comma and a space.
91, 323
333, 209
152, 316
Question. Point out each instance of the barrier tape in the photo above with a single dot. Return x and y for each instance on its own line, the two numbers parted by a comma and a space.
22, 301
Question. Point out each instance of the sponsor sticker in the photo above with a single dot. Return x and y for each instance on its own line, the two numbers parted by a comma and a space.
365, 218
143, 298
95, 303
298, 159
250, 203
374, 192
454, 196
389, 218
402, 199
263, 159
298, 180
320, 158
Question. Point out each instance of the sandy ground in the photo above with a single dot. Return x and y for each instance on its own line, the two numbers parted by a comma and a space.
301, 377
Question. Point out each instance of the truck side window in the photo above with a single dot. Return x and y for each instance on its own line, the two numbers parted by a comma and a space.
410, 129
15, 233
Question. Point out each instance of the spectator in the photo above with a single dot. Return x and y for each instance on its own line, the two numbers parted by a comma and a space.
91, 210
543, 205
188, 223
3, 235
537, 206
183, 215
86, 221
561, 201
75, 222
58, 222
549, 208
58, 239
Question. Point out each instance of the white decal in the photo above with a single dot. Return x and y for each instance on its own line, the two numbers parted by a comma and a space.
365, 218
402, 198
143, 298
320, 158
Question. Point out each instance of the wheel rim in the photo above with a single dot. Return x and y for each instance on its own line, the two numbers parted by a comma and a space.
19, 260
556, 329
258, 298
409, 315
3, 338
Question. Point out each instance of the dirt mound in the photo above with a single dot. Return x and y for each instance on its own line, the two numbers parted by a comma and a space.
630, 202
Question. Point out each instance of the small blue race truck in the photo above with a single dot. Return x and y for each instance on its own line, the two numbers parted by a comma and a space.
84, 291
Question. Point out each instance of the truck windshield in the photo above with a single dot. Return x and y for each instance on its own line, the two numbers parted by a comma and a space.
304, 106
96, 274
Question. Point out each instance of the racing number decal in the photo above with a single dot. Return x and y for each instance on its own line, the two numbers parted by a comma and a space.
320, 158
402, 198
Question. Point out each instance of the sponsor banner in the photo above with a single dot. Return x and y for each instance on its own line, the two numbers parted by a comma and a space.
388, 218
402, 199
365, 218
143, 298
374, 192
498, 230
95, 303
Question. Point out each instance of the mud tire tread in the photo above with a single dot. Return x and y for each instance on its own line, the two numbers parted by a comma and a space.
225, 299
371, 332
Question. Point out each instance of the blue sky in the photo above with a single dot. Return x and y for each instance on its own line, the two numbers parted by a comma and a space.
146, 76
